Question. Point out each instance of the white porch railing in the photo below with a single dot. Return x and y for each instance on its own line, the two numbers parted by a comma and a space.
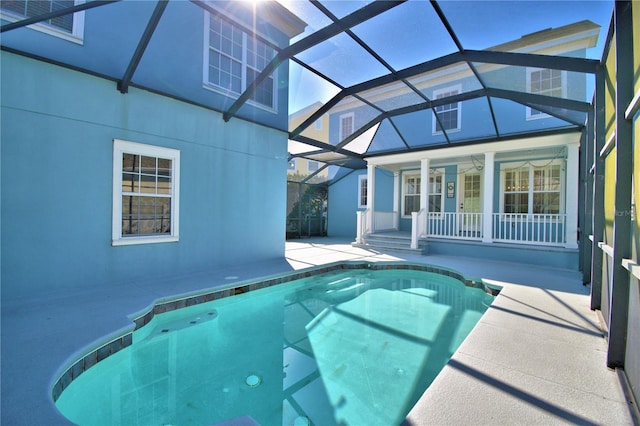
466, 226
385, 221
368, 222
540, 229
417, 227
544, 229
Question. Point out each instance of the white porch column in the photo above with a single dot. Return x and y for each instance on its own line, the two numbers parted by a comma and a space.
371, 190
487, 197
424, 184
424, 196
571, 196
396, 200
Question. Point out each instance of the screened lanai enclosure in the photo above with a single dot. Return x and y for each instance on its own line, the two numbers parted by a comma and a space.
371, 71
306, 210
500, 128
435, 86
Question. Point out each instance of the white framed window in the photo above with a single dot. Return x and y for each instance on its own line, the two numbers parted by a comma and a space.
68, 27
410, 193
534, 188
292, 164
233, 59
318, 124
436, 200
312, 166
346, 125
449, 115
362, 192
146, 189
548, 82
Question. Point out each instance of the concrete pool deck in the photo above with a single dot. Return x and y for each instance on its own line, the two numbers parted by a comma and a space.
536, 357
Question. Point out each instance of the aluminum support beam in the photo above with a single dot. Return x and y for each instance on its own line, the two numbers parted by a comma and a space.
589, 66
123, 85
586, 190
619, 310
598, 191
572, 189
359, 16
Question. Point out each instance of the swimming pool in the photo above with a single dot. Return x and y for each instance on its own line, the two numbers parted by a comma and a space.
348, 346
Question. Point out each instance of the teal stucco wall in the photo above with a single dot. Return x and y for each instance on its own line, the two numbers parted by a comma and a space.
57, 133
343, 201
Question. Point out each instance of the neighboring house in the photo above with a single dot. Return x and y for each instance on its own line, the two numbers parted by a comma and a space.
522, 192
306, 200
117, 162
302, 168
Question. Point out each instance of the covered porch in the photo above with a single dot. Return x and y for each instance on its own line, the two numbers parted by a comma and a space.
488, 194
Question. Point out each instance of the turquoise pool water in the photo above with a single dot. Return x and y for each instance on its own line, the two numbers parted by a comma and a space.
356, 347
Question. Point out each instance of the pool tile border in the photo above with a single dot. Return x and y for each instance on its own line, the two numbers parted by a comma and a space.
116, 345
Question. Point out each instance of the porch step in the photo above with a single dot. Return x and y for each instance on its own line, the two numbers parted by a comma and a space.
392, 241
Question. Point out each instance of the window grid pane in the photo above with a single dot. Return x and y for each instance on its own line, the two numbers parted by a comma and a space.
32, 8
411, 204
363, 192
544, 192
227, 67
546, 82
146, 195
447, 114
435, 193
145, 215
346, 126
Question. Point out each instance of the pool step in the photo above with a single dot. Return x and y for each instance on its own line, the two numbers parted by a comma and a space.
392, 241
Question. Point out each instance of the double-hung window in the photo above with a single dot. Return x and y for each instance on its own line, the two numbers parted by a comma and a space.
362, 192
448, 115
435, 191
410, 194
69, 27
146, 183
532, 189
546, 82
346, 125
312, 166
547, 189
233, 59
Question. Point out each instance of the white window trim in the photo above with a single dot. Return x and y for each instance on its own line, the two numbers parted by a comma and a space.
76, 36
120, 147
405, 176
214, 88
353, 124
530, 70
434, 121
531, 165
362, 180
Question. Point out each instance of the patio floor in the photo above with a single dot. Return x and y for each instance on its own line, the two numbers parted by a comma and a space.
536, 357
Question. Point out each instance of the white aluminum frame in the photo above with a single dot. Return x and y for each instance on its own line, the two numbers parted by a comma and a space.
120, 147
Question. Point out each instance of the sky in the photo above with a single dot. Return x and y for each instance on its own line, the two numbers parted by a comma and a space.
411, 33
